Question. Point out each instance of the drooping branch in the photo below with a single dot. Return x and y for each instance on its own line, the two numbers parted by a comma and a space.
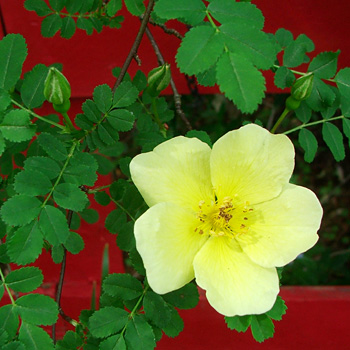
177, 96
136, 44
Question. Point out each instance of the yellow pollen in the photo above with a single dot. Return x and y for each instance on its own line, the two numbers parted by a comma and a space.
223, 218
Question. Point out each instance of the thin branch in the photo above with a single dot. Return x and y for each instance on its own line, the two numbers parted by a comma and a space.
136, 44
167, 30
177, 96
60, 285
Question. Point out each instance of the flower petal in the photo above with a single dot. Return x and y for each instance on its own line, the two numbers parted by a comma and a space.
234, 284
167, 242
175, 171
251, 164
285, 227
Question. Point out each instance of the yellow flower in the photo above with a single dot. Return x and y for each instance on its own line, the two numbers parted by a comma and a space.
227, 216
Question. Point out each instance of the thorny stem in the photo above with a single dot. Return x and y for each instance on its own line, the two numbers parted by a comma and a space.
136, 44
38, 116
177, 96
166, 30
312, 123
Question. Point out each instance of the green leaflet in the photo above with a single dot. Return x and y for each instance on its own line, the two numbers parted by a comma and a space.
39, 6
34, 337
235, 75
121, 119
156, 309
125, 95
24, 280
139, 334
74, 243
249, 42
29, 207
25, 244
239, 323
278, 310
16, 126
190, 12
53, 146
107, 321
122, 286
115, 220
51, 25
240, 13
135, 7
16, 345
32, 183
186, 297
322, 96
116, 342
295, 51
32, 89
103, 97
53, 224
324, 65
57, 5
199, 50
45, 165
37, 309
309, 144
113, 7
262, 327
175, 325
68, 27
69, 196
9, 320
284, 37
13, 52
126, 238
343, 82
284, 77
334, 140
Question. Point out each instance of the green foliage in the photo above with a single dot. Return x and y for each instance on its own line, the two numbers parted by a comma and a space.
13, 52
309, 144
34, 337
122, 286
261, 326
24, 280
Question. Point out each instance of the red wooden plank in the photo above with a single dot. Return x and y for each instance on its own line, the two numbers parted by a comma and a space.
88, 60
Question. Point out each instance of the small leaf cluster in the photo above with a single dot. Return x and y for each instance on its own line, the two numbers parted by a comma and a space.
66, 16
325, 99
230, 54
261, 326
20, 321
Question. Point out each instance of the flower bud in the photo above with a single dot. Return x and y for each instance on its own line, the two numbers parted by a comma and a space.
292, 104
56, 87
158, 79
302, 88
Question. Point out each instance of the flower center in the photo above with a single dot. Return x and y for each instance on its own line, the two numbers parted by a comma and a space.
224, 218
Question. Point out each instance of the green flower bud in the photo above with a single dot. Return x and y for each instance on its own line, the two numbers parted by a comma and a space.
62, 108
158, 79
56, 87
292, 104
302, 88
